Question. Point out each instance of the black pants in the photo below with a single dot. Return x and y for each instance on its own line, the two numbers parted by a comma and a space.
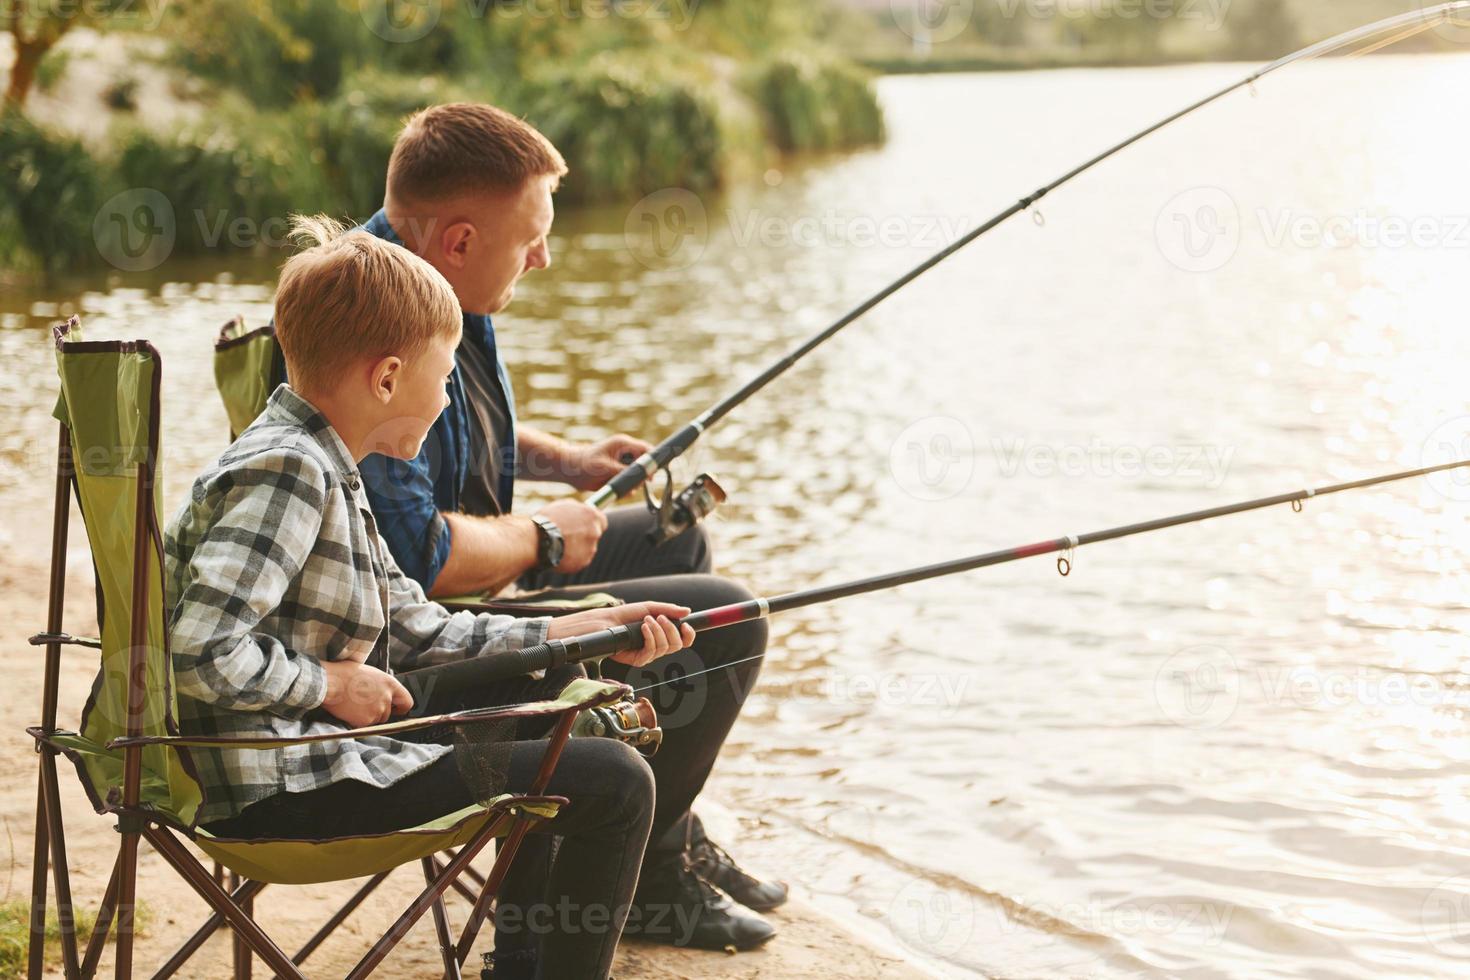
696, 712
573, 927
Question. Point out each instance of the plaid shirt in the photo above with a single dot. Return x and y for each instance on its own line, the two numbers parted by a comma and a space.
273, 565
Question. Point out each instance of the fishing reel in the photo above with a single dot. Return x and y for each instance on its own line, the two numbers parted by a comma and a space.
628, 720
675, 514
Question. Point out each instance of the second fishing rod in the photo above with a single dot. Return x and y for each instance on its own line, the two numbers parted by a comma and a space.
465, 675
679, 512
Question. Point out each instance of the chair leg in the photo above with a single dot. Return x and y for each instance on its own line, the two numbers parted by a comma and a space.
336, 920
441, 922
464, 891
127, 896
241, 951
194, 873
60, 870
40, 867
201, 935
498, 871
420, 905
103, 923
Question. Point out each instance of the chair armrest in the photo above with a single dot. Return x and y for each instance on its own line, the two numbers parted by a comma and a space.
607, 693
65, 639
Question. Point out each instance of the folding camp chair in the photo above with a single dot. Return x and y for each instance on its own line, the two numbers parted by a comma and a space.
135, 764
248, 366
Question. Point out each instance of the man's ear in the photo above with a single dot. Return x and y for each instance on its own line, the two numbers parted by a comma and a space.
455, 242
386, 376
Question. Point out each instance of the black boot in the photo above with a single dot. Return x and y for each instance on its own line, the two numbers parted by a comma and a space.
675, 905
715, 865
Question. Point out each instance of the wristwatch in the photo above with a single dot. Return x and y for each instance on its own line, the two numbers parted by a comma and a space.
551, 545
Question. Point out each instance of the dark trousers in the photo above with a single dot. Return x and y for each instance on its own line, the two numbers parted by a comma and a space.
579, 907
696, 712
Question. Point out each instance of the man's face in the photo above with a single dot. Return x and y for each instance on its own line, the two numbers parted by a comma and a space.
511, 241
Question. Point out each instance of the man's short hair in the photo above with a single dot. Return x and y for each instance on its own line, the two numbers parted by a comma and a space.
467, 148
351, 295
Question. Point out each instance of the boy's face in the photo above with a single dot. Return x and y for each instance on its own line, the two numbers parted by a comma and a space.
419, 397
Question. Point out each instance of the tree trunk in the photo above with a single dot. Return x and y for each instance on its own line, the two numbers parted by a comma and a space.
28, 56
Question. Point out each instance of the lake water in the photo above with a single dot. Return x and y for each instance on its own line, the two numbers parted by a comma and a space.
1232, 749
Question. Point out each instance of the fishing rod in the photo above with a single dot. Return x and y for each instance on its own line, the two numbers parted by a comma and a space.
466, 674
678, 513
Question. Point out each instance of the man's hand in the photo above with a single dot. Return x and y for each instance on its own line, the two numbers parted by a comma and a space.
592, 466
581, 527
361, 695
660, 636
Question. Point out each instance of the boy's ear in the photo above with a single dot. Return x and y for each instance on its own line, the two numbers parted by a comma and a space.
386, 376
455, 242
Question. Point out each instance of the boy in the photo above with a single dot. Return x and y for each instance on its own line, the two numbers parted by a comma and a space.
289, 616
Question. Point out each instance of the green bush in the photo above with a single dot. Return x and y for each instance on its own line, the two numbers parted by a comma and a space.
233, 183
817, 104
52, 189
15, 933
626, 131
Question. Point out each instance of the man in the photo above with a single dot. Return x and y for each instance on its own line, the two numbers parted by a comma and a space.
469, 189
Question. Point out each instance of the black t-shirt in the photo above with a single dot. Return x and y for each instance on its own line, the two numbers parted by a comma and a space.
491, 451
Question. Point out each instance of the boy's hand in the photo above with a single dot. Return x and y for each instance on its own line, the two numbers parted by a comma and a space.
660, 636
361, 695
581, 527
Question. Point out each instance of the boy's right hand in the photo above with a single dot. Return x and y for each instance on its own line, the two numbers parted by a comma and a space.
362, 695
581, 527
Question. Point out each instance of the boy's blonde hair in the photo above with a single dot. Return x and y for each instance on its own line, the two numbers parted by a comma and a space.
351, 295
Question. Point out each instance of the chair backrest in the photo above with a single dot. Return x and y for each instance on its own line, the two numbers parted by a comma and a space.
247, 367
109, 405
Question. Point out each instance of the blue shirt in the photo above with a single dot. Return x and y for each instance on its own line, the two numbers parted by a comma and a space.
410, 497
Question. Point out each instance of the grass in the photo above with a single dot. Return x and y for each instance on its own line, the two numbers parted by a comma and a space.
15, 933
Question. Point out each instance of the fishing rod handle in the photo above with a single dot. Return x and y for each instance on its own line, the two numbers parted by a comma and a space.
637, 472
